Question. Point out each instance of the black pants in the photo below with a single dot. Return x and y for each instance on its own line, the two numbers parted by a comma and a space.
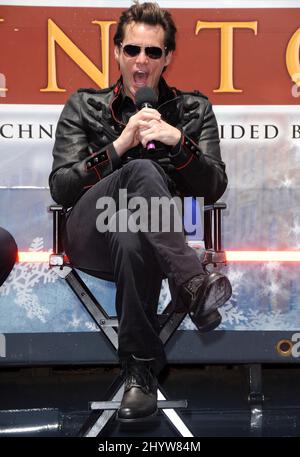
8, 254
137, 262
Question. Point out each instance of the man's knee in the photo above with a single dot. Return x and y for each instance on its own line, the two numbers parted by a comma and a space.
145, 167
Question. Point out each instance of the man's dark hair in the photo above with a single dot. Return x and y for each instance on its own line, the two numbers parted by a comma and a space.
151, 14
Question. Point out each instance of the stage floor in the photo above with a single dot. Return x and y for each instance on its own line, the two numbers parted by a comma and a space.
53, 401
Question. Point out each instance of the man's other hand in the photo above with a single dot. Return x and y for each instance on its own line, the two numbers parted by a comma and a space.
130, 137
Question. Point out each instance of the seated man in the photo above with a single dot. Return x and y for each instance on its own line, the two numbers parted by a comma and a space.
101, 148
8, 254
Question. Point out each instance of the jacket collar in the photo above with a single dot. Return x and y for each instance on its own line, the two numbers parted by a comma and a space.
122, 106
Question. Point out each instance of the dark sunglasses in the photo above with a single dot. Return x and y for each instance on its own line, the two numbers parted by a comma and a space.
133, 50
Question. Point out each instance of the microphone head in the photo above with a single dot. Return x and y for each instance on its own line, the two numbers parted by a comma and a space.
145, 96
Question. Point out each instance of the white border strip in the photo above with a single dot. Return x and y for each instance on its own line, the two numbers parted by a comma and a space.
274, 109
29, 109
197, 4
19, 108
24, 187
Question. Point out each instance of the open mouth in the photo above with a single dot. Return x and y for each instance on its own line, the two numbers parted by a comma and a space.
140, 78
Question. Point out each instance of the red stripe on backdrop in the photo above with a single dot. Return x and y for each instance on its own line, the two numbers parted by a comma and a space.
231, 256
259, 61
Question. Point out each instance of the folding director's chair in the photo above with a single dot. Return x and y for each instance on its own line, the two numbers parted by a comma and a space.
103, 411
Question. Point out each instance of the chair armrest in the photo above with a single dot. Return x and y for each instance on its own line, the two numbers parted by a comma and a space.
59, 217
213, 226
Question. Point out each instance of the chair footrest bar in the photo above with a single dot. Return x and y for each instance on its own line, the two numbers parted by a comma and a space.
161, 404
111, 322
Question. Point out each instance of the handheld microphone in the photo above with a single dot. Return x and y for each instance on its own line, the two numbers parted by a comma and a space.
146, 98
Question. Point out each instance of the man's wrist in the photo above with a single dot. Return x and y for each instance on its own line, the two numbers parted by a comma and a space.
177, 138
176, 148
119, 148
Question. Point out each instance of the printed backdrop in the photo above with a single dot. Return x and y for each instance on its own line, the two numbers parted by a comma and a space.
257, 108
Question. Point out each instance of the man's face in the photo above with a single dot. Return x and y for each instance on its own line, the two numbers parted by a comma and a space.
141, 70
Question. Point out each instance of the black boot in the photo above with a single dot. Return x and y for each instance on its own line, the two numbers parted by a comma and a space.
203, 295
139, 400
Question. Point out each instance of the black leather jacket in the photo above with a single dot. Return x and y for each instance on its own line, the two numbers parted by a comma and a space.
92, 119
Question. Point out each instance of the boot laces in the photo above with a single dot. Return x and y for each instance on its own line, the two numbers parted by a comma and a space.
138, 375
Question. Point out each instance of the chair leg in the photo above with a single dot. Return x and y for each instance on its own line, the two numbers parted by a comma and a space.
91, 304
255, 398
94, 426
96, 422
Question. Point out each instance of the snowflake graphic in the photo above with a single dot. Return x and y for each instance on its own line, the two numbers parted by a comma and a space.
294, 233
287, 182
264, 321
271, 267
164, 297
187, 324
75, 321
265, 297
231, 315
92, 327
80, 322
23, 279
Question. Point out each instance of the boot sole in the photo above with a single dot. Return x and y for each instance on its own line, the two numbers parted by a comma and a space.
218, 292
136, 419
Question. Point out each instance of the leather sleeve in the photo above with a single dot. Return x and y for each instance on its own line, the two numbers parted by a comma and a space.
197, 157
78, 164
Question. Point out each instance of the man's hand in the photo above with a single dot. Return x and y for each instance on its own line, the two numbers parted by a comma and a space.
158, 130
130, 137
